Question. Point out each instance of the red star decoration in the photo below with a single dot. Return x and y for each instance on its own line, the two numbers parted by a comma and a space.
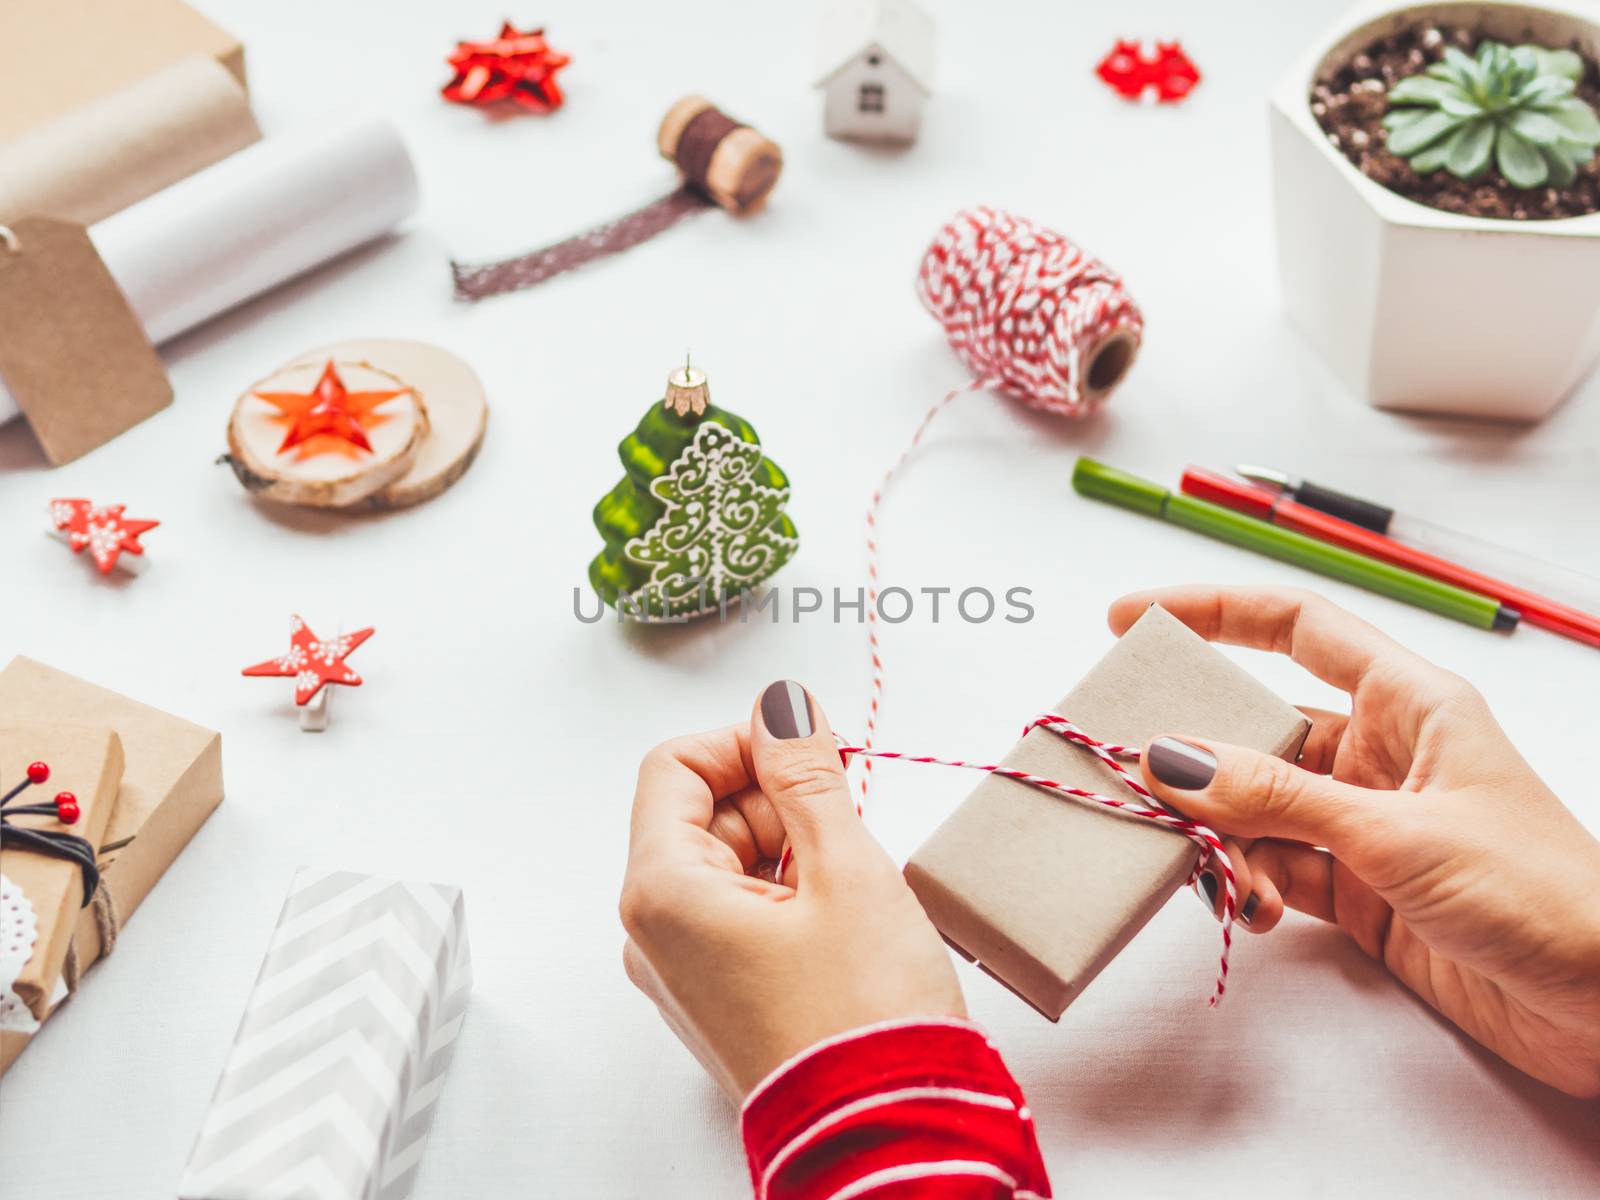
520, 67
311, 662
99, 528
329, 419
1129, 72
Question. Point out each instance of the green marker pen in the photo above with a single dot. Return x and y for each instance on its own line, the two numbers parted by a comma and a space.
1100, 482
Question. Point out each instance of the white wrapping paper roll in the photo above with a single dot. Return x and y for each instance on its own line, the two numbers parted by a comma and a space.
253, 221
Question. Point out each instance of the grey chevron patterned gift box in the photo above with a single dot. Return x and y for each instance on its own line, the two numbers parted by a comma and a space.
329, 1089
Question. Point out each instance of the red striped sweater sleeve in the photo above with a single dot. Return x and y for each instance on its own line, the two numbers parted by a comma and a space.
920, 1109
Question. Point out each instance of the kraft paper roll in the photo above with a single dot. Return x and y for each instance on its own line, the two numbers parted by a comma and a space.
115, 151
253, 221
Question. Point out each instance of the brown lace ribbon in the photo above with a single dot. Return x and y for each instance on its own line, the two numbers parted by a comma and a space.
696, 146
477, 281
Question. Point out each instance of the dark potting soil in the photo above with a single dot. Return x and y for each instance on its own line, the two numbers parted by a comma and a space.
1350, 109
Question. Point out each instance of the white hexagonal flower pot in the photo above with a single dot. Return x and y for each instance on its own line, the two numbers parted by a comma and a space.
1415, 308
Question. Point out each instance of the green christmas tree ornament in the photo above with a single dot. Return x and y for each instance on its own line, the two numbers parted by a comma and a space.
698, 518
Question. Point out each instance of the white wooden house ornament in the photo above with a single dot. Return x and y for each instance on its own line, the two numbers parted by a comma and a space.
876, 69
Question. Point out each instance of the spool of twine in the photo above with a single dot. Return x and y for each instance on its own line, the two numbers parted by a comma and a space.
731, 163
1033, 316
1029, 311
722, 163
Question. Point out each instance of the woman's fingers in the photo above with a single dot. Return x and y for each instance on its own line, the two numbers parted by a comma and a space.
1314, 882
680, 782
678, 870
749, 825
794, 758
1322, 740
1302, 875
1334, 645
1263, 908
1260, 905
1211, 887
1255, 795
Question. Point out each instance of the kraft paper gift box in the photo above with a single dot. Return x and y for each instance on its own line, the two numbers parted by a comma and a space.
57, 55
86, 761
171, 782
1043, 890
330, 1086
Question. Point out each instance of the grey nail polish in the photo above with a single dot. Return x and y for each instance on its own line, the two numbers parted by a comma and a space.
1249, 909
786, 709
1208, 885
1180, 765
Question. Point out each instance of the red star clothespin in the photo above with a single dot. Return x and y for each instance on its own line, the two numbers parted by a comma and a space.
312, 664
1130, 72
329, 419
514, 66
102, 530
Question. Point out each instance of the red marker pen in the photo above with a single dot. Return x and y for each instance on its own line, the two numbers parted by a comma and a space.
1279, 509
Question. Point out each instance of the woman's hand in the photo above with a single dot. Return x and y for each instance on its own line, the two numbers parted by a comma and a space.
749, 972
1412, 823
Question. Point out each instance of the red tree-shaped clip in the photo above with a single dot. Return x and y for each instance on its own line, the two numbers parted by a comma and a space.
102, 530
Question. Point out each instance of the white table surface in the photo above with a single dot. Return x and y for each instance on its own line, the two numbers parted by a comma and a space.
495, 742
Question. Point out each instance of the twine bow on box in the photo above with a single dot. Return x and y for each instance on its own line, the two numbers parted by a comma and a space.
1111, 754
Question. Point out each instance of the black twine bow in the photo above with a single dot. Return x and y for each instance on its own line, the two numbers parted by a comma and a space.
53, 842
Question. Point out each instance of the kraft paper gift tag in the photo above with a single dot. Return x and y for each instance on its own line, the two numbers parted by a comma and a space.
1044, 890
72, 353
86, 761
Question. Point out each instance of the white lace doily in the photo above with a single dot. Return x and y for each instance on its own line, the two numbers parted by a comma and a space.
19, 929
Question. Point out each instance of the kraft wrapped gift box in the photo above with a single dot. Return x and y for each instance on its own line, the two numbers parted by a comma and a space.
171, 782
1043, 890
330, 1086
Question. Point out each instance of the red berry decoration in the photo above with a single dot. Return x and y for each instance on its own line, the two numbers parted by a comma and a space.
55, 842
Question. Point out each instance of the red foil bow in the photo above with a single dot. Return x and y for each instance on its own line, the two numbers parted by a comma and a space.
1129, 71
520, 67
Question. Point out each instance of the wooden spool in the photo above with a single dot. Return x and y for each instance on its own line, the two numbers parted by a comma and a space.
742, 166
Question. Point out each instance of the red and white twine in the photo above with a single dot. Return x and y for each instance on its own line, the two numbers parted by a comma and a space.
1025, 308
1210, 844
875, 701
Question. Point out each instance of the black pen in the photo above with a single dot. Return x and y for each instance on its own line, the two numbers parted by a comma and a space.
1569, 587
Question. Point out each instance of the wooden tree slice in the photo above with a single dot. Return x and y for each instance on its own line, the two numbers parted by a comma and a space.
456, 404
325, 471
